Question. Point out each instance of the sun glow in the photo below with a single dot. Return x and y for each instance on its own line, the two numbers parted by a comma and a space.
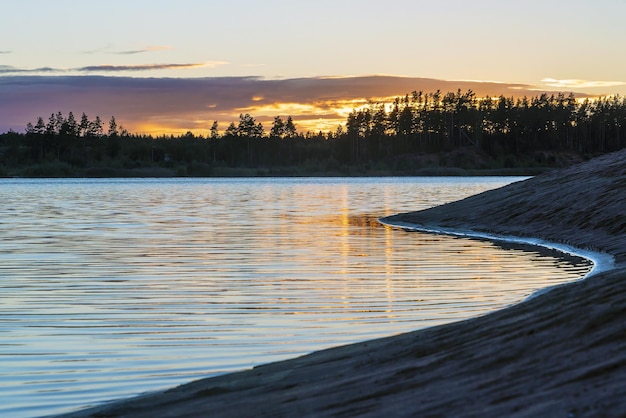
581, 84
161, 129
321, 115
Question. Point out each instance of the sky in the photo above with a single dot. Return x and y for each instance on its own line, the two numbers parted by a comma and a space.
168, 67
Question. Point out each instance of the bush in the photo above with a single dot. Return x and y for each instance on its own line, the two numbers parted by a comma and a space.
199, 169
49, 169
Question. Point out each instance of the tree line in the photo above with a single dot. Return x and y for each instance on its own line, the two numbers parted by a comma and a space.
437, 121
484, 132
61, 126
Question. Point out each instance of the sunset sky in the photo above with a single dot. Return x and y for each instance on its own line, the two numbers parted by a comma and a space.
169, 67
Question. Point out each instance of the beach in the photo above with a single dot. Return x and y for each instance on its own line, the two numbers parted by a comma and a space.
561, 354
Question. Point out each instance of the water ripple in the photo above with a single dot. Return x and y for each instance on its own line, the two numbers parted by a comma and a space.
110, 288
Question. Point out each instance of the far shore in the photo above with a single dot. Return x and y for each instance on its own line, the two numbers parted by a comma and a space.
55, 171
559, 354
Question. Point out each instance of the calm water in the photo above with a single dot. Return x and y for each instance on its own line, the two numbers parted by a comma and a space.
110, 288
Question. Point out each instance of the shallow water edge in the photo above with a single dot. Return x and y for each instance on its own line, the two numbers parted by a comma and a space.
601, 262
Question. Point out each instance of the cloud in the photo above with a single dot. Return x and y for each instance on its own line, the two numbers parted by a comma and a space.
109, 49
144, 50
580, 84
105, 48
9, 69
6, 52
176, 105
106, 68
140, 67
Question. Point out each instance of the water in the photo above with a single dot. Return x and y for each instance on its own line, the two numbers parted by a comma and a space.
110, 288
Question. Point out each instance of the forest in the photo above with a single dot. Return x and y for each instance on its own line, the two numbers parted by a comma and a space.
455, 133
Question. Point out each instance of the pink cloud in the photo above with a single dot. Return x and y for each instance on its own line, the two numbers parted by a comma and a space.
140, 67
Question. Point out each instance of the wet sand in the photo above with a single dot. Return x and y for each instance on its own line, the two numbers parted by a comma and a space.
560, 354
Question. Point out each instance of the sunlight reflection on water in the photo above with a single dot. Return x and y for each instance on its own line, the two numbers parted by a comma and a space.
115, 287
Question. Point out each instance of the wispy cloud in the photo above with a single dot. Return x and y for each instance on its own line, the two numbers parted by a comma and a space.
9, 69
108, 68
98, 50
580, 84
6, 52
140, 67
153, 48
110, 49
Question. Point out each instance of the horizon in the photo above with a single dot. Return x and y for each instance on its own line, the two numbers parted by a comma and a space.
143, 105
163, 69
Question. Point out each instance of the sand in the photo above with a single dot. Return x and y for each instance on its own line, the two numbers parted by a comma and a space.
561, 354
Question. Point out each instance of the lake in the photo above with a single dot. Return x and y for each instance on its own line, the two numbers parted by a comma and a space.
115, 287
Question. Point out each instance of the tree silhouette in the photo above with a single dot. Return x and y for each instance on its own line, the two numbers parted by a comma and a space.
214, 130
248, 128
112, 132
278, 128
454, 129
290, 128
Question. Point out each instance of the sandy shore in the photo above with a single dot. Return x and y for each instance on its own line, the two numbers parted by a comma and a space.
561, 354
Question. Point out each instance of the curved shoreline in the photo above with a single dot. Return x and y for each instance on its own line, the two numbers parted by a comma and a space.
561, 353
601, 261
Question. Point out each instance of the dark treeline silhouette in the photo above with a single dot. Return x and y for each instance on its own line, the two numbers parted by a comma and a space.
436, 122
413, 132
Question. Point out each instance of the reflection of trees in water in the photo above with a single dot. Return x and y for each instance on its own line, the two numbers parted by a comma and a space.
364, 220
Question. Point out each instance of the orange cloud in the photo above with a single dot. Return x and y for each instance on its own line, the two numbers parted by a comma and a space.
580, 84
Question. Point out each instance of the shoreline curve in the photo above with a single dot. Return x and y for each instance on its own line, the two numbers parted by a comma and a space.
559, 354
601, 261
